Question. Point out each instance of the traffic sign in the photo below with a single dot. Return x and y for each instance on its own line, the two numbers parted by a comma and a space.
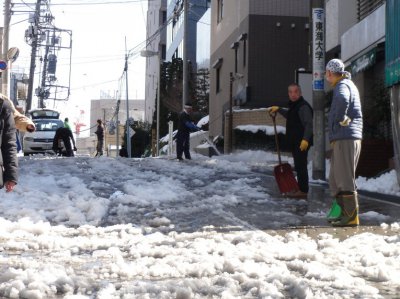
3, 65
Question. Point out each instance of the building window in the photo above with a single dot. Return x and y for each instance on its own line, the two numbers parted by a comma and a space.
244, 52
220, 10
366, 7
243, 38
218, 80
164, 17
236, 60
235, 46
163, 52
217, 66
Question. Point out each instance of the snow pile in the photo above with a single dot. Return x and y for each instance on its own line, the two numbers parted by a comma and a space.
154, 228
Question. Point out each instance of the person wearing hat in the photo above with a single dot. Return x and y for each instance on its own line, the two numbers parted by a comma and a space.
299, 134
345, 123
185, 126
66, 123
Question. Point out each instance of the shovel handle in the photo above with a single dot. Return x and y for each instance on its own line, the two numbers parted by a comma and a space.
273, 116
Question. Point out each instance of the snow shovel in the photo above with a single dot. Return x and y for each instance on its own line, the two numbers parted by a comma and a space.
283, 172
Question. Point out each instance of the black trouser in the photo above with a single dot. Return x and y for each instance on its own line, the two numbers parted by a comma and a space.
68, 147
183, 145
300, 165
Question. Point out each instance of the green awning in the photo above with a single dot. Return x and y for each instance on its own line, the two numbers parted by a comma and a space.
363, 62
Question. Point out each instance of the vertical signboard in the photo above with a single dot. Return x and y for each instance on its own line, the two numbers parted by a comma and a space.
392, 45
318, 41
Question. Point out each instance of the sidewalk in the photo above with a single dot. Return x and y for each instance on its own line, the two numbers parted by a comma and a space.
377, 211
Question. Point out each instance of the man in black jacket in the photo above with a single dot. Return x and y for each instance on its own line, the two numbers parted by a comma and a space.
66, 136
185, 126
100, 138
299, 134
8, 148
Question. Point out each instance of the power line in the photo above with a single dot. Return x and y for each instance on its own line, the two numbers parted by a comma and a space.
89, 3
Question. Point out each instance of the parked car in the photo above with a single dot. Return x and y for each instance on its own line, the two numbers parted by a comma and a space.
41, 141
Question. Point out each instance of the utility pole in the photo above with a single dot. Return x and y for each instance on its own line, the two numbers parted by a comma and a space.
318, 63
34, 45
158, 108
44, 74
128, 127
6, 31
117, 121
230, 145
185, 96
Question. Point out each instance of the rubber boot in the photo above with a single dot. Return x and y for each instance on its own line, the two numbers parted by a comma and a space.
335, 212
348, 202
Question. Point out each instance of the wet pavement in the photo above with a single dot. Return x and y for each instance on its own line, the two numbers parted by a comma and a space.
308, 216
201, 210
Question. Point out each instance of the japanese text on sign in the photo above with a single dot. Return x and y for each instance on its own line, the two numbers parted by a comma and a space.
318, 48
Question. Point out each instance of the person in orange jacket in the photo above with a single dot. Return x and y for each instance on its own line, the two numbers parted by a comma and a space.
22, 122
8, 148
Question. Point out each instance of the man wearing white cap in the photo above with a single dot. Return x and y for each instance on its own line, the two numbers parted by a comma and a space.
185, 126
345, 125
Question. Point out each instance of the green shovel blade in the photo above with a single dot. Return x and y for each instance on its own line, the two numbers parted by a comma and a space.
335, 211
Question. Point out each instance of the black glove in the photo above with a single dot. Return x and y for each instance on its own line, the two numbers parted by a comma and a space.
75, 149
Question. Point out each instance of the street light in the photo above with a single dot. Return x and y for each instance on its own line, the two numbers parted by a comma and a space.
147, 54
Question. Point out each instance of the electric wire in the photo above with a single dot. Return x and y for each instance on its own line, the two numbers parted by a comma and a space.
131, 52
90, 3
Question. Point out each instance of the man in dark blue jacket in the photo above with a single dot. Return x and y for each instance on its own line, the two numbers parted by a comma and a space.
8, 148
185, 126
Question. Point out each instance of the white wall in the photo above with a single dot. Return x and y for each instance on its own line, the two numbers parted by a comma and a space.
364, 34
234, 12
340, 16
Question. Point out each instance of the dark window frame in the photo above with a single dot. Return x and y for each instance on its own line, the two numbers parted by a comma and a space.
220, 10
218, 80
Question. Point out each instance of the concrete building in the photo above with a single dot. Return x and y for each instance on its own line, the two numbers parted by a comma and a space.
356, 34
175, 30
165, 36
104, 109
156, 36
262, 43
203, 41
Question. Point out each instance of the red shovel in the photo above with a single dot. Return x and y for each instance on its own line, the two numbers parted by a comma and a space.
283, 172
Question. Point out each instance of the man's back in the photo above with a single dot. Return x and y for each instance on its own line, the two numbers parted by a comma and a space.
100, 132
65, 135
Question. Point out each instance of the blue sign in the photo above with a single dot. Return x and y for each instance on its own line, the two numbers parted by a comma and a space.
318, 85
3, 65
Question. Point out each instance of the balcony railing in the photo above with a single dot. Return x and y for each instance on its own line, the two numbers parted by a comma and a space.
366, 7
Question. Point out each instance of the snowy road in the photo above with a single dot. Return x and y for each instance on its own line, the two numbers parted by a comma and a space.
209, 228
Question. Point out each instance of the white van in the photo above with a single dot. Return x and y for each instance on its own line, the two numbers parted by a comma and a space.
41, 141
